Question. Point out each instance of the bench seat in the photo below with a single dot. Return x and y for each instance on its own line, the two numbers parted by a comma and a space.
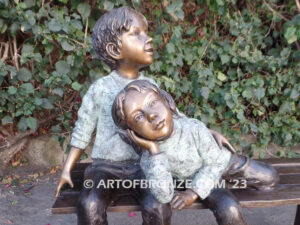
286, 193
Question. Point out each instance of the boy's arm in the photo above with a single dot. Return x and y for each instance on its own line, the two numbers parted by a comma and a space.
214, 162
81, 136
221, 140
65, 177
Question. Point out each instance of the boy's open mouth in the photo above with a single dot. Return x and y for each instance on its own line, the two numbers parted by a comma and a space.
149, 50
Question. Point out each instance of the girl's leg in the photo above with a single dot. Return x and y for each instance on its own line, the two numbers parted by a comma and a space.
257, 174
225, 207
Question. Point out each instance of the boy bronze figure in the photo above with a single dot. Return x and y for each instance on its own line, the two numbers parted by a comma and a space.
120, 39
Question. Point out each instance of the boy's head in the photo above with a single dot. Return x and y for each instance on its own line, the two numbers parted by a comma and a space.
145, 109
121, 34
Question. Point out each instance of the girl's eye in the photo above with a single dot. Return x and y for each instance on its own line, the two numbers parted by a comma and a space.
138, 117
152, 103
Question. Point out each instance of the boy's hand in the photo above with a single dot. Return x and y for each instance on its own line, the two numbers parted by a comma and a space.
64, 179
151, 146
182, 199
221, 140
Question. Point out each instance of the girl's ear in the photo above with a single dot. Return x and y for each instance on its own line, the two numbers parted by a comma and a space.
169, 100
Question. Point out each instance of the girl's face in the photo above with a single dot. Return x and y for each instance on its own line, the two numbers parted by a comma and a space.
148, 115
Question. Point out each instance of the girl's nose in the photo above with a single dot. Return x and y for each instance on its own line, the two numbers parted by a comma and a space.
152, 117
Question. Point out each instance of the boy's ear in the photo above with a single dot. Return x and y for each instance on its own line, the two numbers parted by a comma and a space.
113, 51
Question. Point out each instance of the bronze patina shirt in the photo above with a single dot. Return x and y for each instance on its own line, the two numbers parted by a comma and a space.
191, 153
95, 112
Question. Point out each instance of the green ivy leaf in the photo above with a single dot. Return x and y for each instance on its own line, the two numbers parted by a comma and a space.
84, 9
26, 88
22, 125
47, 104
205, 92
66, 46
54, 25
56, 129
58, 91
62, 67
290, 35
6, 119
170, 48
76, 86
24, 74
221, 76
12, 90
175, 10
31, 123
259, 93
225, 59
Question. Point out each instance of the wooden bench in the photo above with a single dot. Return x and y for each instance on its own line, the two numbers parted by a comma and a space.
286, 193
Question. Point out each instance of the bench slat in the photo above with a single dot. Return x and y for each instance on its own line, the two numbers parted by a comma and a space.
295, 162
282, 195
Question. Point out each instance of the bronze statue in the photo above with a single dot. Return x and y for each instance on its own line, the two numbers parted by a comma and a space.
120, 39
183, 148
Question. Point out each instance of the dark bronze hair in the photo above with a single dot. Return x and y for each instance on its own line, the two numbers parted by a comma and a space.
109, 28
117, 109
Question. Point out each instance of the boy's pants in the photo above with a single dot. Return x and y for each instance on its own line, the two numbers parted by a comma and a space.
93, 202
258, 175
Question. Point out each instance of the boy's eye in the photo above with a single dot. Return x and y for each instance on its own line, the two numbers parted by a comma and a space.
136, 32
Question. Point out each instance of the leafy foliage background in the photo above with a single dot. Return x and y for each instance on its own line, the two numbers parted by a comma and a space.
232, 64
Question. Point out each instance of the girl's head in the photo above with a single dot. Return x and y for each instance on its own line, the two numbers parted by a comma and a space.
145, 109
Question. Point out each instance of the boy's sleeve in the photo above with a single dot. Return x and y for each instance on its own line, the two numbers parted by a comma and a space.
214, 162
157, 171
87, 120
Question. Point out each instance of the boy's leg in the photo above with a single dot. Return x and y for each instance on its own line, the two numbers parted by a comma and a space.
91, 208
225, 207
257, 174
93, 202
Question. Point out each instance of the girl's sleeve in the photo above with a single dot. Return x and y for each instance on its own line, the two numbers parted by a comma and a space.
215, 161
157, 171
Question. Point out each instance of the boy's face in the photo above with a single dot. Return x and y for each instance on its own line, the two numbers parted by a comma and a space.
148, 115
137, 47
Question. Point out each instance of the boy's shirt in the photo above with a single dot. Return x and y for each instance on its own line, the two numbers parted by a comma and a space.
191, 153
95, 112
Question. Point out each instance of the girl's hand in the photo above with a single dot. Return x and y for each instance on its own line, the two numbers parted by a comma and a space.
151, 146
182, 199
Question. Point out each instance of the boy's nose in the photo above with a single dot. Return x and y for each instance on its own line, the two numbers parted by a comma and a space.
149, 40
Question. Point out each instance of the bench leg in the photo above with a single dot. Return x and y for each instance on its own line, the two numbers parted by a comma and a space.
297, 217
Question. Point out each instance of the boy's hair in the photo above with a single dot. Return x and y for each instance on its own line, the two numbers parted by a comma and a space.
117, 109
109, 28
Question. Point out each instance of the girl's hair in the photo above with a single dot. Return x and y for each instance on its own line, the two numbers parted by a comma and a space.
117, 109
